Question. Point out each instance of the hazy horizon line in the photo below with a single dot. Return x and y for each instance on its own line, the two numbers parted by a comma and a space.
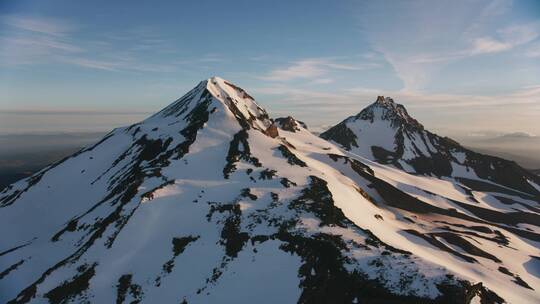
72, 112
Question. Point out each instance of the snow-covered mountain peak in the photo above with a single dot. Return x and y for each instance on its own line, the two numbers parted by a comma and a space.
216, 95
386, 133
379, 122
384, 108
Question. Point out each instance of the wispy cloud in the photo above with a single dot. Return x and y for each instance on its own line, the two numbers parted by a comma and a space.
35, 40
299, 69
125, 64
24, 50
41, 43
42, 25
509, 38
312, 68
485, 45
91, 63
322, 81
423, 38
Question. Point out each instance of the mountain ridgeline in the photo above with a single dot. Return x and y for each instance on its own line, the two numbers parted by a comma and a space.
211, 200
410, 147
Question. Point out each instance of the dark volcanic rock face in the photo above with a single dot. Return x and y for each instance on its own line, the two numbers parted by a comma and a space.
290, 124
342, 135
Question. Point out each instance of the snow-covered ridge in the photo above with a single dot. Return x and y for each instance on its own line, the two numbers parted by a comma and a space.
203, 199
386, 133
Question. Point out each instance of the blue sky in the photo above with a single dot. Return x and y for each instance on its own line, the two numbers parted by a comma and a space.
458, 66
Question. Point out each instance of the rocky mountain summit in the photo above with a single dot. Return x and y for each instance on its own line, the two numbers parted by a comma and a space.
384, 132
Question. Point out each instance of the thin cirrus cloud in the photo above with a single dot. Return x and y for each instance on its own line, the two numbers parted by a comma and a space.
36, 40
510, 37
49, 26
456, 31
23, 50
312, 69
30, 40
125, 64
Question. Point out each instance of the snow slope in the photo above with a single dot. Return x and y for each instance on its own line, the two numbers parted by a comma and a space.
212, 201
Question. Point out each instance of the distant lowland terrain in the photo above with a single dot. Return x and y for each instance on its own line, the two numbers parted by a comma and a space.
520, 147
22, 155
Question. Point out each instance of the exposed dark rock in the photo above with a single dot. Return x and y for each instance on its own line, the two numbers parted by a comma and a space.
287, 183
13, 249
179, 245
6, 271
232, 238
246, 192
272, 131
239, 150
124, 287
70, 290
478, 185
342, 135
290, 124
455, 239
517, 279
267, 174
317, 199
383, 156
291, 157
433, 241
